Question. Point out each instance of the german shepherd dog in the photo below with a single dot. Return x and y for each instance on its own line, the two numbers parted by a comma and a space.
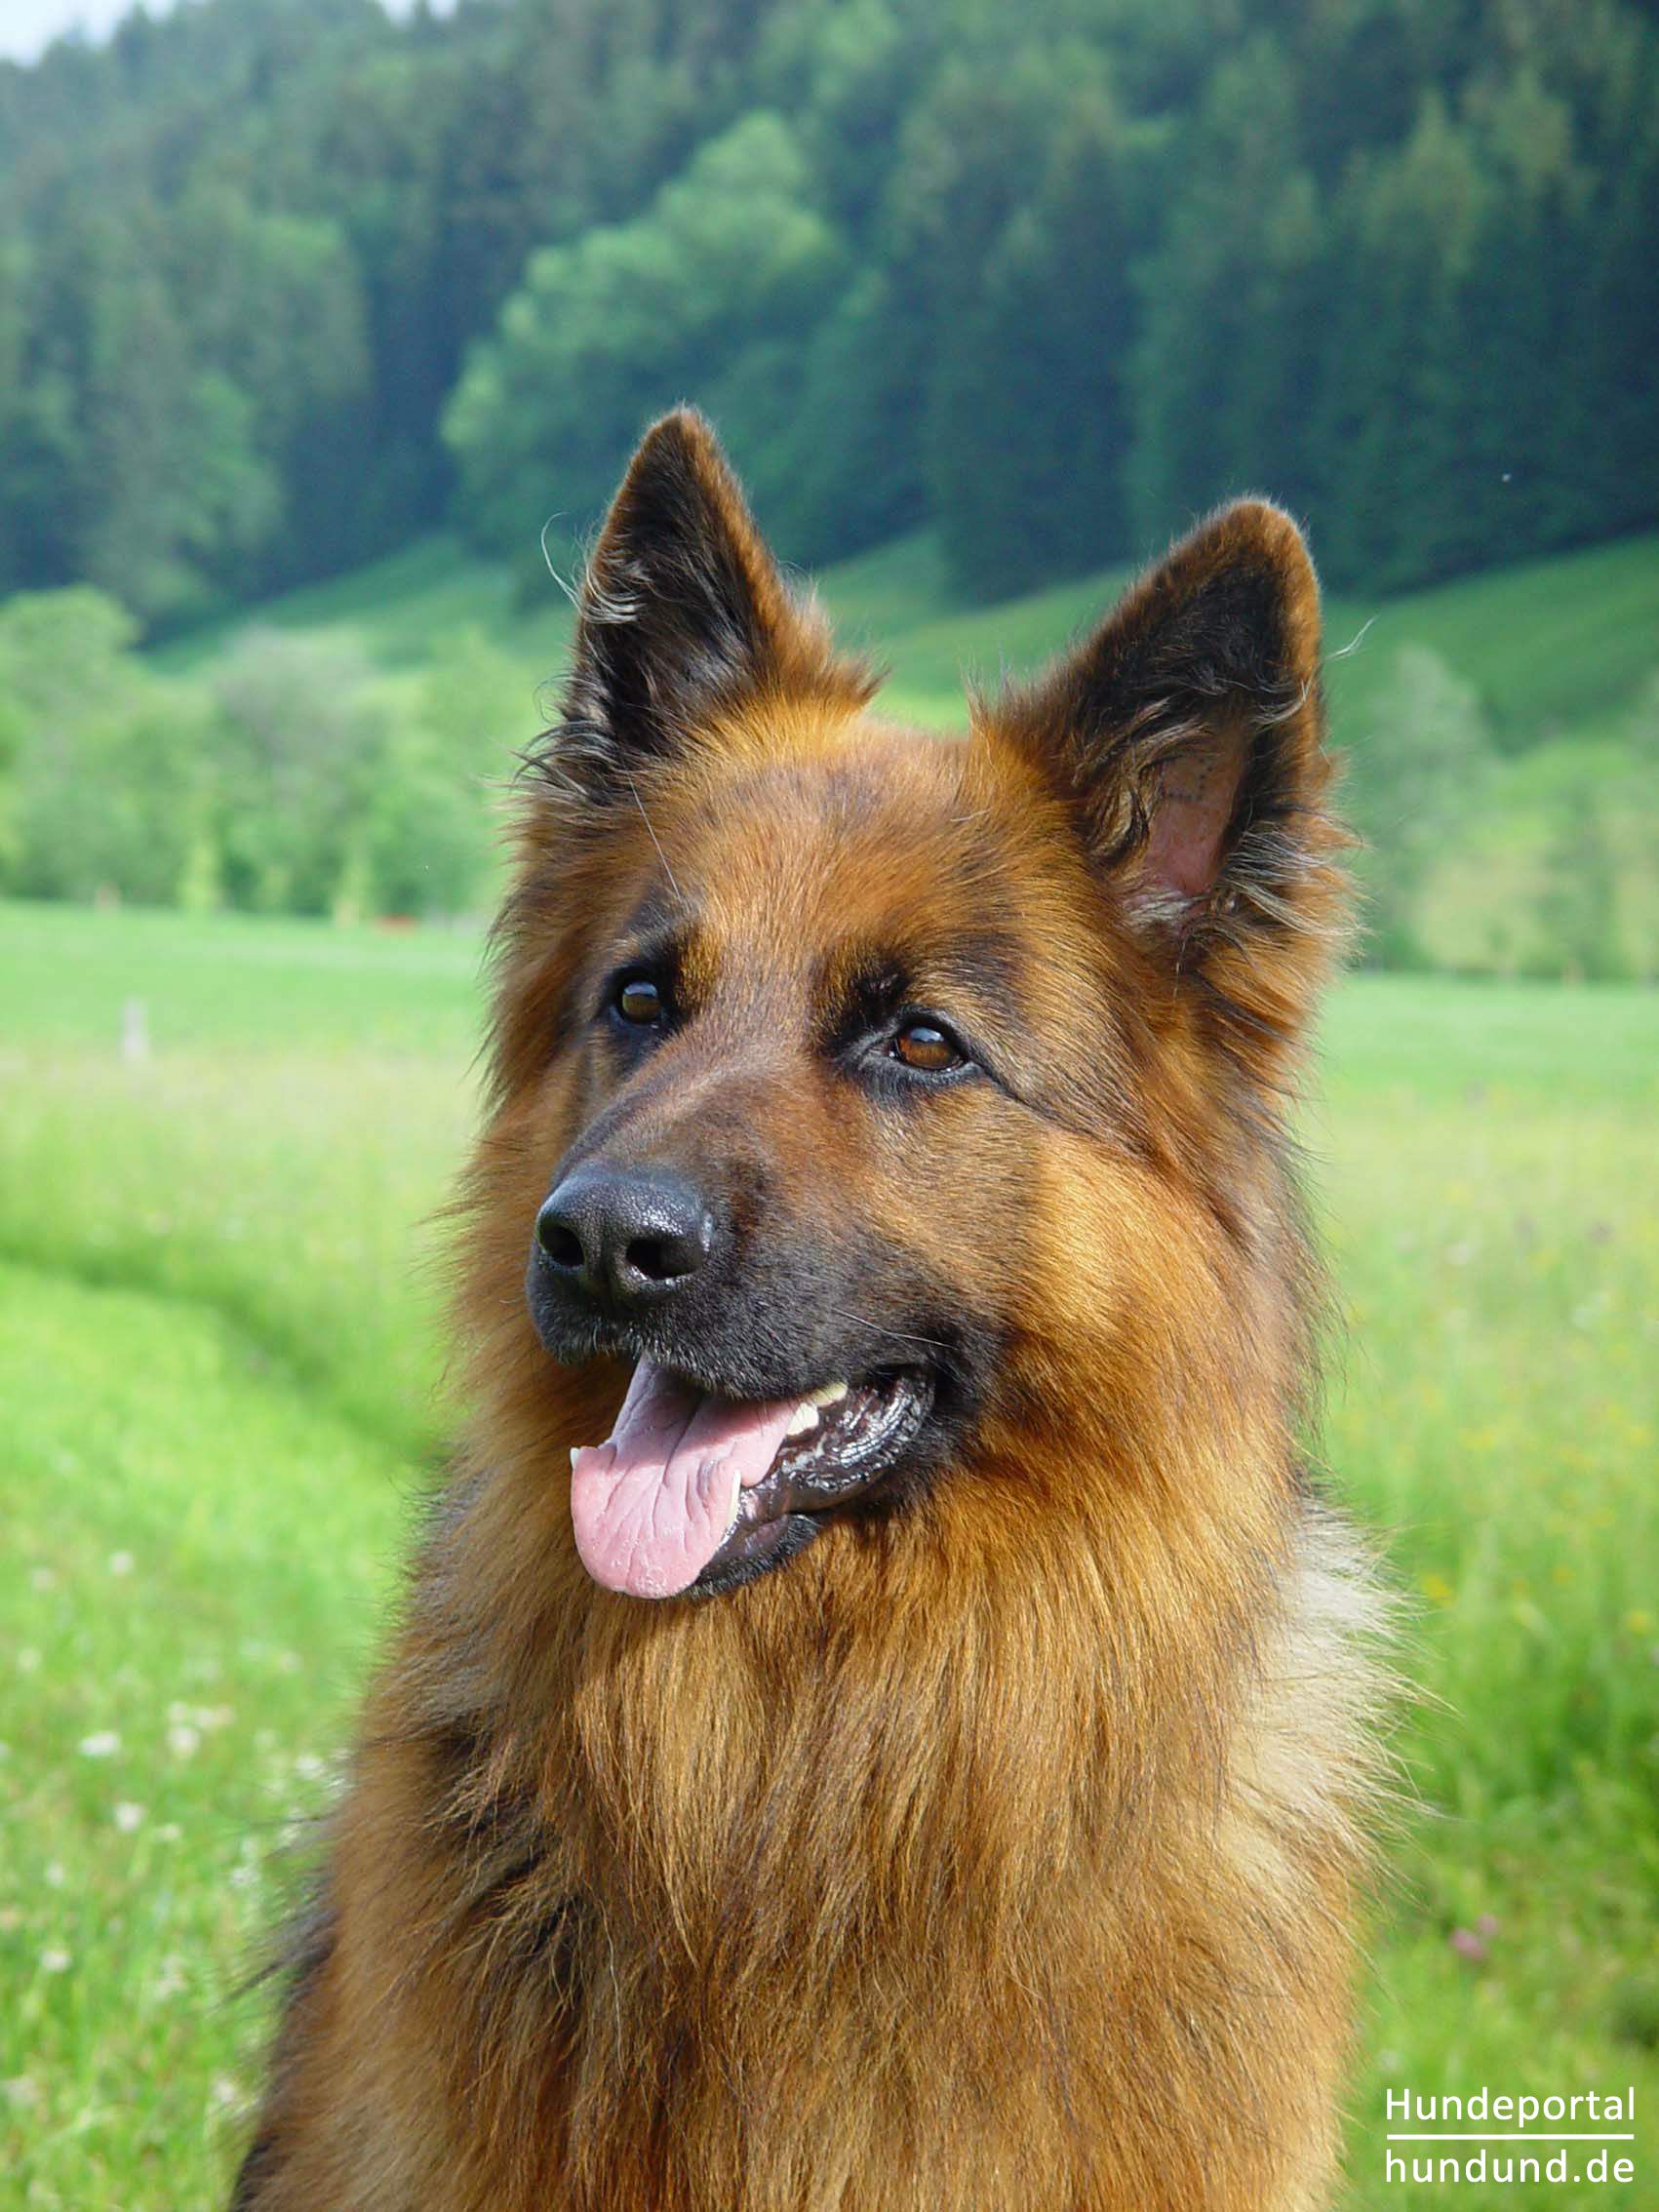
881, 1719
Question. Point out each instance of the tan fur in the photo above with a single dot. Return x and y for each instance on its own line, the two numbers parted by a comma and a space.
1001, 1853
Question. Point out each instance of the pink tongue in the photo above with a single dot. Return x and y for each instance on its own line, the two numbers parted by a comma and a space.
653, 1504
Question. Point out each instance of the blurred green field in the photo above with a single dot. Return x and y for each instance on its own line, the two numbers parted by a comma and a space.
218, 1360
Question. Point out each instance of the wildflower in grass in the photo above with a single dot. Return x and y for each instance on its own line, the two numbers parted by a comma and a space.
129, 1817
28, 1659
54, 1960
183, 1740
1466, 1944
52, 1874
227, 2096
1638, 1623
23, 2091
168, 1832
1437, 1589
104, 1744
120, 1562
309, 1767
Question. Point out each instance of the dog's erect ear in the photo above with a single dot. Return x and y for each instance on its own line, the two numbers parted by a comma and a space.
682, 614
1188, 732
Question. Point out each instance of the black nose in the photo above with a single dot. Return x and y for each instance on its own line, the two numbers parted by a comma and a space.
633, 1235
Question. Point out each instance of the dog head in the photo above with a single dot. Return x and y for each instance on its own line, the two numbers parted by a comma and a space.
869, 1099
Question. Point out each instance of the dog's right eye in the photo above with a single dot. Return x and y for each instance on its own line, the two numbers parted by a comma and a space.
928, 1049
639, 1001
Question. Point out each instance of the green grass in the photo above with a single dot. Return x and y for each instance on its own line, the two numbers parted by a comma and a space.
197, 1551
1485, 1164
285, 1144
236, 981
218, 1365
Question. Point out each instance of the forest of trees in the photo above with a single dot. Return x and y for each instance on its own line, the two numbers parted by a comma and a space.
283, 281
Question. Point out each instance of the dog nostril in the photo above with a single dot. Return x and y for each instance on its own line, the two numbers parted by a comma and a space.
563, 1247
651, 1257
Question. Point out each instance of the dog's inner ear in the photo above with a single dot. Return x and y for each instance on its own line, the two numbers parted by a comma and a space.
1186, 731
1189, 811
683, 616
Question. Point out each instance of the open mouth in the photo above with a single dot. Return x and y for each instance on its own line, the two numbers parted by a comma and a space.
696, 1490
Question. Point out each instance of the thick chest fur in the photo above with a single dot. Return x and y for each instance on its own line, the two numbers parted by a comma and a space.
1159, 2023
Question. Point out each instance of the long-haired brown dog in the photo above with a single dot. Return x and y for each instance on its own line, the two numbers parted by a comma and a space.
881, 1720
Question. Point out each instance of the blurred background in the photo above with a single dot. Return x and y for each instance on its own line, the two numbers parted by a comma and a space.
324, 333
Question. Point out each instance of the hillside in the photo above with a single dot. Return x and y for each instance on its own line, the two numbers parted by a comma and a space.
1553, 663
1549, 644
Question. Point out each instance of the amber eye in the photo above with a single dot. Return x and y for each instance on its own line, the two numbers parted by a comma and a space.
640, 1000
927, 1048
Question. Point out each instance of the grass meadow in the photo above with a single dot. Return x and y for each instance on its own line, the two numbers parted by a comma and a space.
223, 1403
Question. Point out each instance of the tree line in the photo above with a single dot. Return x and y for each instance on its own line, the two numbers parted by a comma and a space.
291, 775
283, 281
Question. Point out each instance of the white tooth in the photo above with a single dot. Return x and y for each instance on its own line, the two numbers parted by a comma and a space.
803, 1420
734, 1503
831, 1395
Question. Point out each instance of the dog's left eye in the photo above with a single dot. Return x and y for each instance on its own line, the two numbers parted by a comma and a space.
927, 1048
639, 1001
